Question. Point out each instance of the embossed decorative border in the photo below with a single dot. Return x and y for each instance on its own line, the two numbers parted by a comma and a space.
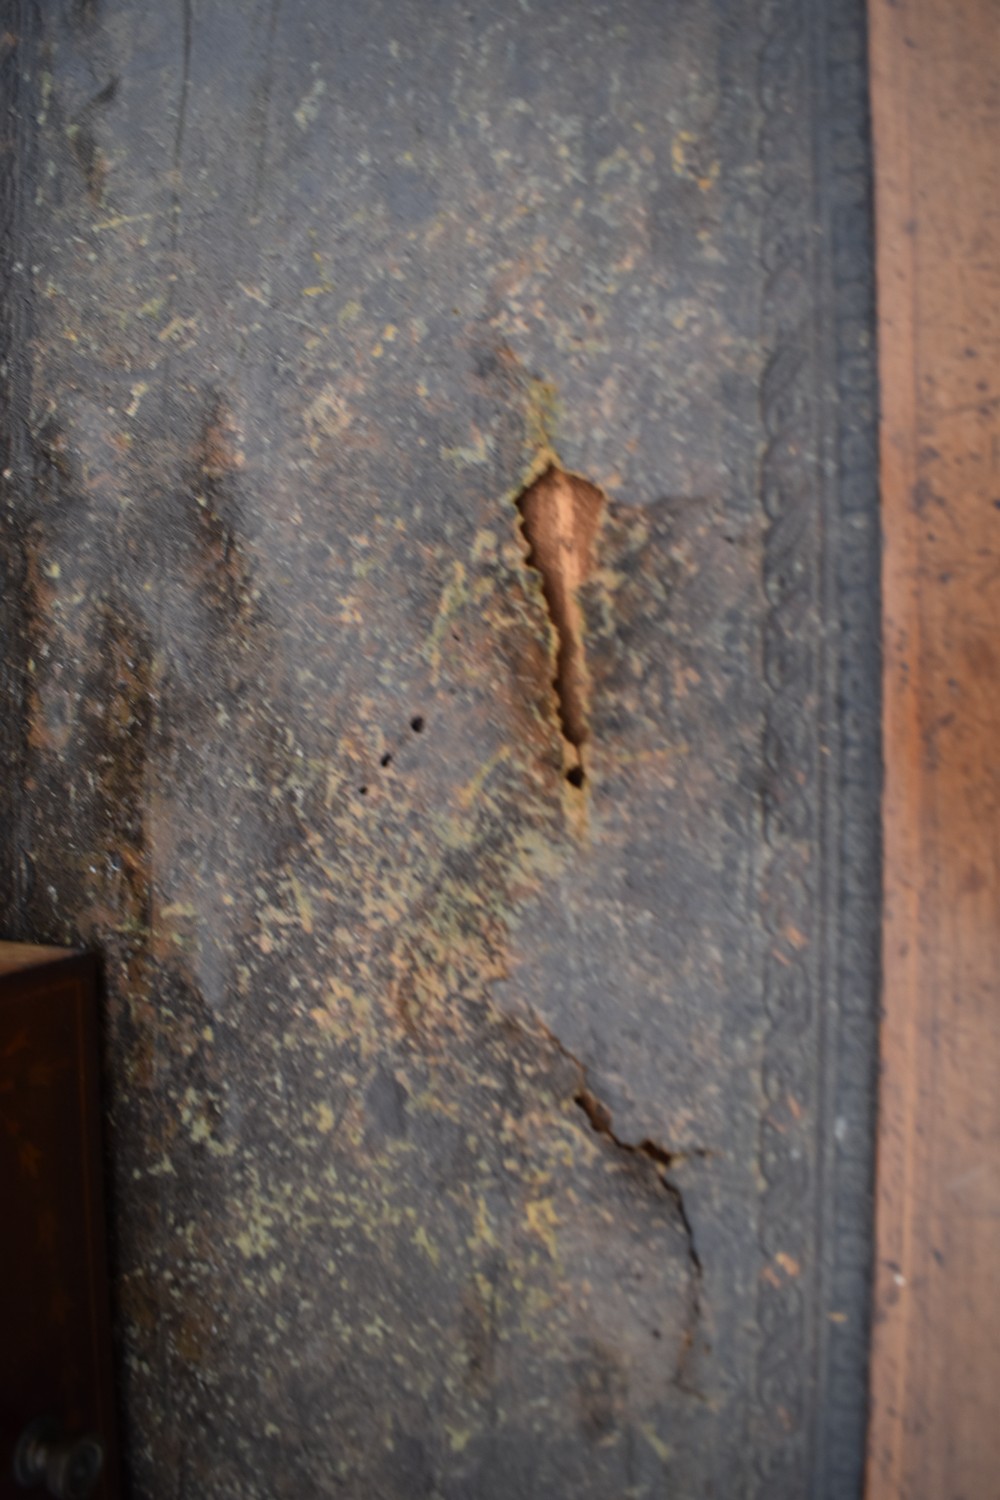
790, 879
820, 875
853, 783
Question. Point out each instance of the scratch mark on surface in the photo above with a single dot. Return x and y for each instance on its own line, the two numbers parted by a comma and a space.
262, 111
182, 108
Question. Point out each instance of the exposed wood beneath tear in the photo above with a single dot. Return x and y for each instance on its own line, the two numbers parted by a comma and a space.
560, 517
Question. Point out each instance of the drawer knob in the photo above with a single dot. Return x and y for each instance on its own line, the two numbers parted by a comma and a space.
69, 1468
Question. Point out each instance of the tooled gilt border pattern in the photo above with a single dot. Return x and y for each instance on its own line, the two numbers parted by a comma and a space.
819, 879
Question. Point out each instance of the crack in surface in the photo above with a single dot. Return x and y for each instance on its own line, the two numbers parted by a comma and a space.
601, 1123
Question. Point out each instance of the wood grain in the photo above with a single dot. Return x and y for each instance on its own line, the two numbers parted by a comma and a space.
56, 1352
934, 1433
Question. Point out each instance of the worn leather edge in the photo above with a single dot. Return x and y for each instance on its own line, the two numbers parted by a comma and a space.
819, 877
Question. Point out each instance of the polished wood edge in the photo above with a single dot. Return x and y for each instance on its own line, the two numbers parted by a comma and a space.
15, 958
